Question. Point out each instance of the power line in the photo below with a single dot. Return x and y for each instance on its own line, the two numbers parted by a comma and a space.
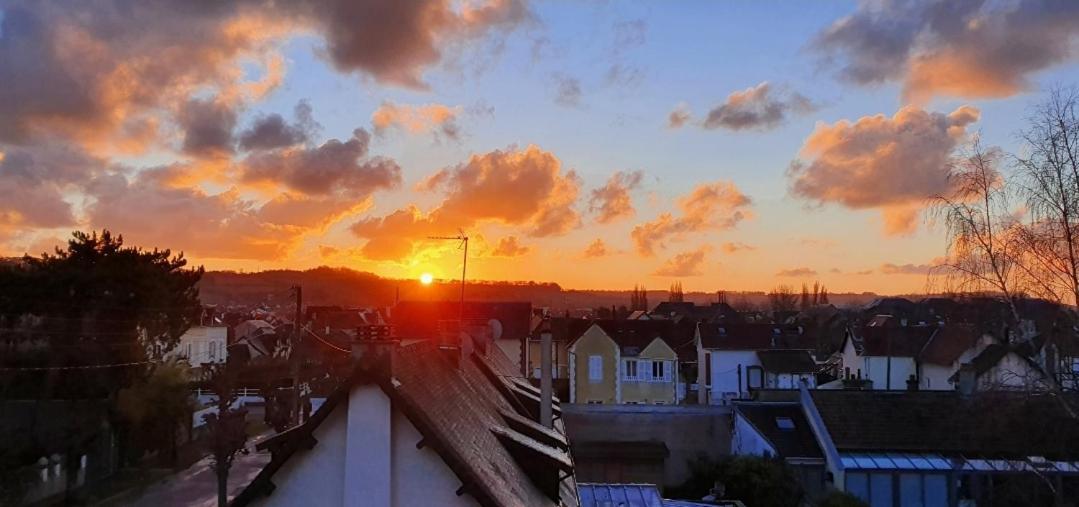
328, 344
84, 367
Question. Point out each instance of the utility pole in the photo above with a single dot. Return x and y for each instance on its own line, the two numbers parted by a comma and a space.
464, 268
294, 357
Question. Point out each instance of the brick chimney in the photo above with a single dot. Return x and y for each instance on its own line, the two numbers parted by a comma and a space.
373, 349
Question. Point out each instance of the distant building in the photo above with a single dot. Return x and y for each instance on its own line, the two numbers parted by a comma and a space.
732, 365
202, 345
780, 430
508, 323
629, 361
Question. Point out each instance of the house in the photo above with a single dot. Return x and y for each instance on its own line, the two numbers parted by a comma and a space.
628, 361
563, 332
946, 448
421, 424
779, 430
202, 344
1002, 366
508, 323
884, 352
686, 310
782, 369
728, 351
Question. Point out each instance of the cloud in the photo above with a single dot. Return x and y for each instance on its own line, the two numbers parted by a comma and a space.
417, 119
91, 74
207, 126
709, 207
911, 269
629, 34
892, 164
797, 272
678, 116
208, 225
525, 188
327, 251
596, 249
684, 264
971, 49
755, 108
34, 181
731, 248
272, 131
509, 247
612, 201
567, 91
334, 168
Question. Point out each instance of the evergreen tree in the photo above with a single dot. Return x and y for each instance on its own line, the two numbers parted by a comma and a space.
823, 295
804, 300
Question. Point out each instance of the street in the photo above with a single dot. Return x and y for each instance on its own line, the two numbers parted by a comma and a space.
197, 485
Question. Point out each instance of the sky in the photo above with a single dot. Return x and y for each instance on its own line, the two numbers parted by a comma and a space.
723, 145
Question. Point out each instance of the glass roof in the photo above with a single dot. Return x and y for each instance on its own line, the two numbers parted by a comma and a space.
937, 462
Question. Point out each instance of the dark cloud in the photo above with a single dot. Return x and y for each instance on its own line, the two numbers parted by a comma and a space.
336, 167
965, 48
612, 201
567, 91
909, 269
33, 181
894, 164
756, 108
207, 126
272, 131
684, 264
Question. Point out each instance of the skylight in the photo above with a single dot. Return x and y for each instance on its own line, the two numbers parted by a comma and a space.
784, 423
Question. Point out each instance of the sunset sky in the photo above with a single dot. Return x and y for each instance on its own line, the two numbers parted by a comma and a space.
726, 145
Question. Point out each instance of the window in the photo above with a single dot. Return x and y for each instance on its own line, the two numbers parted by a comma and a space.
708, 369
595, 402
659, 371
629, 370
784, 423
213, 350
595, 368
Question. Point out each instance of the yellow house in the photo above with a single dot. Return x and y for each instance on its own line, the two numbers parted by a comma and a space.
624, 361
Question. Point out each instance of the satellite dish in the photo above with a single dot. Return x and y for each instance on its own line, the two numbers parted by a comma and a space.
496, 328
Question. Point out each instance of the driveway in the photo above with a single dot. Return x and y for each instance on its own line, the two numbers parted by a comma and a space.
197, 485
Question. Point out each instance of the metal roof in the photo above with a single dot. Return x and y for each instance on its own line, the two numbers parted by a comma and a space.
619, 495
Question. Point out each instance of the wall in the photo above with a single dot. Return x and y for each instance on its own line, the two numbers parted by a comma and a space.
747, 441
512, 349
725, 365
594, 342
876, 369
789, 380
1011, 372
686, 430
199, 339
319, 476
651, 392
934, 377
851, 361
559, 358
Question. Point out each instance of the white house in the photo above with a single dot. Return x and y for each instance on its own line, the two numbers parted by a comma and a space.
202, 344
728, 353
420, 425
889, 354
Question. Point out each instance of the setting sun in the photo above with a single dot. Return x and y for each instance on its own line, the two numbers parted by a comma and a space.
427, 278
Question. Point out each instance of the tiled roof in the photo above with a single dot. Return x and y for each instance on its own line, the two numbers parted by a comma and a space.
797, 442
725, 336
986, 424
787, 361
460, 410
894, 341
697, 313
421, 319
949, 343
633, 336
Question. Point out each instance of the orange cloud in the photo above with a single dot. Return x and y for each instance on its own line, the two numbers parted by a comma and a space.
684, 264
969, 49
509, 247
612, 201
524, 188
596, 249
797, 272
893, 164
709, 207
417, 119
731, 248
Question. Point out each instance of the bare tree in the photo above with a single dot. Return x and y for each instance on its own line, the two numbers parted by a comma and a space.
983, 233
782, 299
1048, 180
227, 427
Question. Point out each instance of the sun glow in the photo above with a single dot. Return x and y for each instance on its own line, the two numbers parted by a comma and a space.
427, 278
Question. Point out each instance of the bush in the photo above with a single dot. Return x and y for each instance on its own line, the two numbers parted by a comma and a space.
836, 498
756, 481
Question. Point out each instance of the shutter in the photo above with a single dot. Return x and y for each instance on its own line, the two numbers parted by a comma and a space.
595, 368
